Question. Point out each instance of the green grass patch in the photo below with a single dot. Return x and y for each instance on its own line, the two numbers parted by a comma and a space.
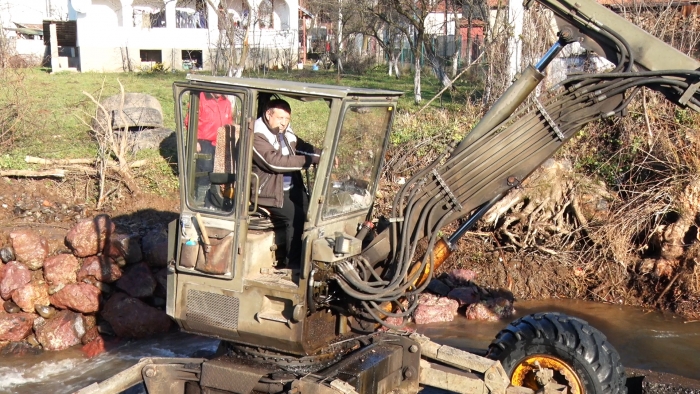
55, 112
378, 78
58, 109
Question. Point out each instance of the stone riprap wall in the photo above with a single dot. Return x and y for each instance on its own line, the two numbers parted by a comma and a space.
102, 283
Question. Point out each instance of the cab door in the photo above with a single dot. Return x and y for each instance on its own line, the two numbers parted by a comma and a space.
213, 166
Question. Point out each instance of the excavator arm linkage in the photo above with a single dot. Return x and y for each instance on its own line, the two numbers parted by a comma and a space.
507, 146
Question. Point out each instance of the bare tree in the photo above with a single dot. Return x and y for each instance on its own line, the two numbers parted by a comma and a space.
411, 23
232, 31
339, 16
387, 35
111, 145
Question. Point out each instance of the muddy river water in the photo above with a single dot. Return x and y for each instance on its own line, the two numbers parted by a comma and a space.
645, 340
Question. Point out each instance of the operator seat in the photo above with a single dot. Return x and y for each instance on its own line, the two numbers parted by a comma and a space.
225, 156
225, 162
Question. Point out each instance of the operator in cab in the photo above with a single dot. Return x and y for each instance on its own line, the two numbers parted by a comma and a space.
279, 155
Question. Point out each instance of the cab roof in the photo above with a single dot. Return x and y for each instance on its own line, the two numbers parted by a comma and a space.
293, 87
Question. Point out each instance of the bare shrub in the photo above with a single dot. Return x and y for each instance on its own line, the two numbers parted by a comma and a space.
111, 147
357, 63
14, 110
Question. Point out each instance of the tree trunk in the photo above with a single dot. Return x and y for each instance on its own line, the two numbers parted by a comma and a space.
416, 80
396, 66
391, 64
469, 38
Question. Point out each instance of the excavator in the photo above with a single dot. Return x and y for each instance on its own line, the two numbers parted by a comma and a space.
333, 322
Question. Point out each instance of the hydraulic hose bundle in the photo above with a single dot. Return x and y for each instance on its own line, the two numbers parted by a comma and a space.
500, 152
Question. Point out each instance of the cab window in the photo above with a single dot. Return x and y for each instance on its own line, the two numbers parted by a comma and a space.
213, 124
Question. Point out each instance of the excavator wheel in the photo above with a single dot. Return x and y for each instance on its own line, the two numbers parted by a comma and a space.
578, 355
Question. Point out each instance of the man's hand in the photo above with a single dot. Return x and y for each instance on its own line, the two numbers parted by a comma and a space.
337, 162
199, 147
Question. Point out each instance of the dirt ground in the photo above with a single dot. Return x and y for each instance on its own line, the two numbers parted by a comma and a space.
54, 204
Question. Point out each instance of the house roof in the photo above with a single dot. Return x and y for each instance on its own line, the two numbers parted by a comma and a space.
34, 26
30, 29
24, 30
293, 87
305, 12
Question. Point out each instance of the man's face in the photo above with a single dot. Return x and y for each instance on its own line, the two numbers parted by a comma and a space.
278, 118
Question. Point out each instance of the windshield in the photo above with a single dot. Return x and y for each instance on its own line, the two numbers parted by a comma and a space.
359, 154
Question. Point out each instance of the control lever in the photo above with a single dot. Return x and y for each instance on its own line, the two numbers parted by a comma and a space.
205, 236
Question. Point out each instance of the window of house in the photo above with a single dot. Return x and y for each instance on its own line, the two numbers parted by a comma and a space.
147, 17
191, 14
151, 55
192, 59
265, 12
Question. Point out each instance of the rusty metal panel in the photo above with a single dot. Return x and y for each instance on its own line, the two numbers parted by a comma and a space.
231, 376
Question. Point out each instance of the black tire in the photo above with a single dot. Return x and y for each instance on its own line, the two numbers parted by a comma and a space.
582, 348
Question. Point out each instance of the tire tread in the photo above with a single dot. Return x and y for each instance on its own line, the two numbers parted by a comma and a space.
579, 339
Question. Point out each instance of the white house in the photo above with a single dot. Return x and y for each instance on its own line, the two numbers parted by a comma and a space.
124, 35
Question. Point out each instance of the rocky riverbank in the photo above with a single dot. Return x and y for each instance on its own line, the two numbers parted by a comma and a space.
97, 283
454, 293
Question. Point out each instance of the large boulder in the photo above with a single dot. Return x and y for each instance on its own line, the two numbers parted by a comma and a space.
89, 236
90, 334
125, 246
461, 276
15, 326
432, 309
130, 317
18, 349
61, 269
31, 294
137, 281
94, 348
89, 321
61, 332
130, 110
465, 295
81, 297
16, 276
494, 309
30, 248
155, 248
438, 287
101, 268
161, 277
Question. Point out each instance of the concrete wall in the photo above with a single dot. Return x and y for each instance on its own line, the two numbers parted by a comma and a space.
101, 59
30, 47
435, 23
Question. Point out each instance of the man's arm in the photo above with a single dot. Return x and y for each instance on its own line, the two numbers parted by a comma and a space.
269, 159
304, 148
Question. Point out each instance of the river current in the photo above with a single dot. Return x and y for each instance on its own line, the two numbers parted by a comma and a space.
646, 340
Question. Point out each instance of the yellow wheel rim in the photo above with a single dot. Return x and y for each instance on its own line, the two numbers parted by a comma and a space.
524, 373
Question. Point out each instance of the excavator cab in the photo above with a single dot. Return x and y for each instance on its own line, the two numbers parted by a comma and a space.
225, 279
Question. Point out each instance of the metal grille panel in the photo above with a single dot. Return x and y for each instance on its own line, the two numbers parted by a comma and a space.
209, 309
